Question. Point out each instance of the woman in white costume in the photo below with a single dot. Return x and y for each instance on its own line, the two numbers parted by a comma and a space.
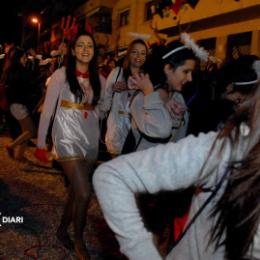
76, 92
154, 113
120, 95
224, 164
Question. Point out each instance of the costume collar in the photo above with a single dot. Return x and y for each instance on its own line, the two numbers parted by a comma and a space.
84, 75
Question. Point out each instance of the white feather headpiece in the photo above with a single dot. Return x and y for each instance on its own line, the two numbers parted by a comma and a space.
200, 52
189, 43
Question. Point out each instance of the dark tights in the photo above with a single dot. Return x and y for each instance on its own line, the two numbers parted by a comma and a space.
78, 172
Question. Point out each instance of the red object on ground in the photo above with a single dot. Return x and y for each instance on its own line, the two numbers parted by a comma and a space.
41, 155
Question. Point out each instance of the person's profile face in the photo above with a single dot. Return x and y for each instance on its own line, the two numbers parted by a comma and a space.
235, 97
63, 48
177, 78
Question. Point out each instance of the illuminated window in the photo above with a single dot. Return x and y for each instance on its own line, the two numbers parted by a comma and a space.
238, 44
148, 11
124, 16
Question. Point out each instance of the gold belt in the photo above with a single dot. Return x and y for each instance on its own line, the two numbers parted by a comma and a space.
83, 106
120, 112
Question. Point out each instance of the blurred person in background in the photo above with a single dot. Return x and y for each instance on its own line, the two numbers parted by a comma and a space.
22, 97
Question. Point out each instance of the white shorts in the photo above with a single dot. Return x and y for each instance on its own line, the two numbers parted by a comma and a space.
19, 111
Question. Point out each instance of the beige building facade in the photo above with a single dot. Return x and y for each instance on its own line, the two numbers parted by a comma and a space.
225, 27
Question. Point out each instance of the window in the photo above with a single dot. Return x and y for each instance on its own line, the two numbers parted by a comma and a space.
124, 18
148, 10
101, 20
103, 23
209, 45
238, 44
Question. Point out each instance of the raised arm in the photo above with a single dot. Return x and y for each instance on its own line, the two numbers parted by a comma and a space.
165, 167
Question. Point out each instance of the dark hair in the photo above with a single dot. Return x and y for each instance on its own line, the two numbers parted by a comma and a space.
178, 58
238, 70
238, 210
154, 64
93, 72
243, 72
126, 63
15, 57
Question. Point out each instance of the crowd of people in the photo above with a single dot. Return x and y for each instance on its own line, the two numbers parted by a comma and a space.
169, 126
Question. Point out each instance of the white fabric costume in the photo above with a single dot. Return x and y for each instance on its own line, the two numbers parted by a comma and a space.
167, 167
148, 114
75, 130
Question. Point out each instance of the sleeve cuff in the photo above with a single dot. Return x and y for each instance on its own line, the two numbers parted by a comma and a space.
152, 99
142, 251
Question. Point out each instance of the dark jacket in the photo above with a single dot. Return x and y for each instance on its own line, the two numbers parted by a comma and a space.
23, 87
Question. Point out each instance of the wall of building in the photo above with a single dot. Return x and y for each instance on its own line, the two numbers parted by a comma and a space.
122, 36
215, 19
91, 5
204, 9
210, 19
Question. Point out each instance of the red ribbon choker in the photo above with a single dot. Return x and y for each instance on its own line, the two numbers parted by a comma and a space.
84, 75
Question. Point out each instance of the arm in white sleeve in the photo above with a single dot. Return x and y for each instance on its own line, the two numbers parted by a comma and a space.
54, 86
165, 167
151, 115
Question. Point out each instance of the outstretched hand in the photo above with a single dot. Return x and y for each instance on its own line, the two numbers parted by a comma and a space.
141, 82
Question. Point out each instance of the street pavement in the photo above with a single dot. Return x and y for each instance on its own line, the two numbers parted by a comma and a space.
31, 203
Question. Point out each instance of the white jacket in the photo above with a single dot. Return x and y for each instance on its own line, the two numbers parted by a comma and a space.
167, 167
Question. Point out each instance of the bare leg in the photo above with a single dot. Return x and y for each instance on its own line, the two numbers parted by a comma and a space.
78, 172
28, 131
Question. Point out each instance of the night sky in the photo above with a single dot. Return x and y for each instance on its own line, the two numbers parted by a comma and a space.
11, 11
9, 21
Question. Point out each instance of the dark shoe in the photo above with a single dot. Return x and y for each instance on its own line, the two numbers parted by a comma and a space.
22, 159
10, 151
31, 144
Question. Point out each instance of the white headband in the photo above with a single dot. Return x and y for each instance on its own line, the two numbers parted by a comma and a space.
189, 43
243, 83
256, 68
173, 51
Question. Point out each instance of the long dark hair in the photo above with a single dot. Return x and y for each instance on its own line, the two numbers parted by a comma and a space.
93, 72
15, 57
238, 210
126, 63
